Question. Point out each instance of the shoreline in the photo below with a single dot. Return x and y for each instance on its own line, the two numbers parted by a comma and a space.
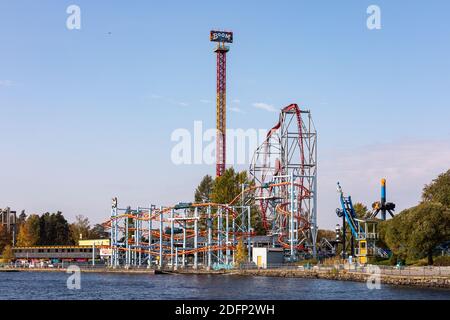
442, 282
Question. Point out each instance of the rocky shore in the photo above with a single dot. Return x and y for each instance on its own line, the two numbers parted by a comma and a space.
343, 275
339, 275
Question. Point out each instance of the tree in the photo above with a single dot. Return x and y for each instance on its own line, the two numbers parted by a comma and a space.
361, 210
7, 253
438, 190
432, 227
228, 186
414, 233
204, 189
80, 228
29, 232
99, 232
394, 233
5, 237
54, 230
241, 253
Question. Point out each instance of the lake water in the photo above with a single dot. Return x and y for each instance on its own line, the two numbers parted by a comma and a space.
52, 286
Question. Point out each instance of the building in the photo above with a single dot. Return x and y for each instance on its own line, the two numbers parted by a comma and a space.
94, 242
263, 257
83, 252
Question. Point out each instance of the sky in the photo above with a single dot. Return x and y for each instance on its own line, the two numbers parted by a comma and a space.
88, 113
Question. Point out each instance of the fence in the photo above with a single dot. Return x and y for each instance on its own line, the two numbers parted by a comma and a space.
387, 270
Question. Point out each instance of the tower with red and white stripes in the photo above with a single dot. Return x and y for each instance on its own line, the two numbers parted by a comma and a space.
221, 50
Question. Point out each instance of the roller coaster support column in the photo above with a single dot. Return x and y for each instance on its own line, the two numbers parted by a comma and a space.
314, 232
249, 237
150, 240
291, 220
196, 238
227, 240
137, 236
160, 238
183, 263
171, 237
219, 234
113, 232
209, 224
127, 252
234, 235
176, 258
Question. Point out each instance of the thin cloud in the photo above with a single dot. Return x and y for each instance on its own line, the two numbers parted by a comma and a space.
264, 106
168, 100
237, 110
6, 83
237, 101
155, 96
205, 101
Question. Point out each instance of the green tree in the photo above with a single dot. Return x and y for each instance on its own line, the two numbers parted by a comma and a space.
241, 253
204, 190
414, 233
394, 233
432, 227
361, 210
228, 186
29, 232
438, 190
54, 230
7, 253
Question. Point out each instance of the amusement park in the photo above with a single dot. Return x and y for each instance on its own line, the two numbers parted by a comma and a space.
270, 218
281, 196
338, 181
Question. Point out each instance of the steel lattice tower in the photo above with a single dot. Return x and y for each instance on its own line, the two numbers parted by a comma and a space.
221, 109
221, 105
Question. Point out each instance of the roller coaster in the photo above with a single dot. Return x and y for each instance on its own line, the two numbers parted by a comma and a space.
282, 195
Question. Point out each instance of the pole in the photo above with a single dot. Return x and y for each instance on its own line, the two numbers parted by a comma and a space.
171, 238
221, 51
219, 236
196, 238
249, 235
160, 238
209, 223
291, 222
150, 211
343, 236
314, 199
93, 254
383, 199
183, 263
227, 241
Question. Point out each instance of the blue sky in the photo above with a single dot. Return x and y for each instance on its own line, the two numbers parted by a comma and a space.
88, 114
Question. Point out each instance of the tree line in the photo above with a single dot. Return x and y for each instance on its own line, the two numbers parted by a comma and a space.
51, 229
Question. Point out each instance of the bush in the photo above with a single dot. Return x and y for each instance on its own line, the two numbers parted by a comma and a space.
442, 261
385, 262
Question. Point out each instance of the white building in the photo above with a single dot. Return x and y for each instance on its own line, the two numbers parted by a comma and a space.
264, 257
